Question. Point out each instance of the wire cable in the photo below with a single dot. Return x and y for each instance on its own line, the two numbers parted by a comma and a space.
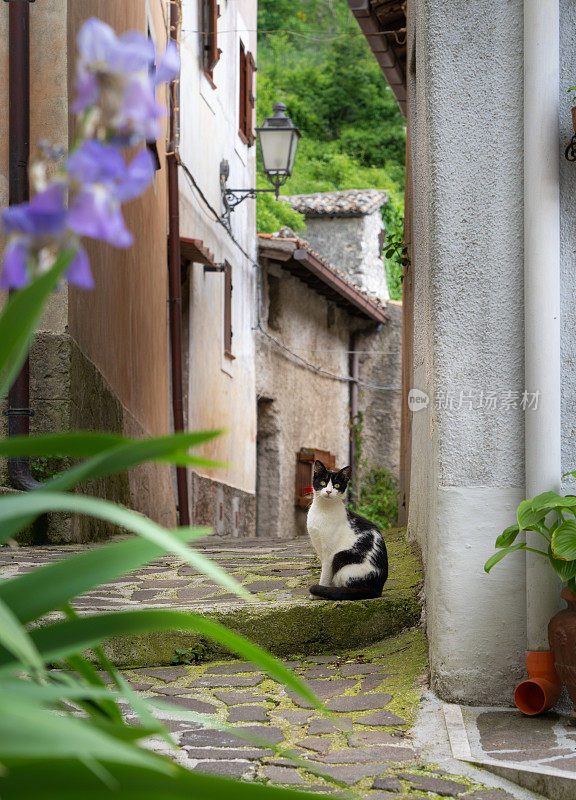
258, 326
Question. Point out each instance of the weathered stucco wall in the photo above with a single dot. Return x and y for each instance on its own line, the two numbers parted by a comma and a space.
467, 460
381, 366
221, 391
354, 245
298, 407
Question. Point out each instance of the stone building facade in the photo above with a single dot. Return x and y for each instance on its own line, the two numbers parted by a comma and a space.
311, 318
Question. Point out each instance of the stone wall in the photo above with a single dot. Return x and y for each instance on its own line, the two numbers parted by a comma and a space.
381, 365
226, 509
353, 245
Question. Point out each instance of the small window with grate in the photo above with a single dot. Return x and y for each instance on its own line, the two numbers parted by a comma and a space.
305, 459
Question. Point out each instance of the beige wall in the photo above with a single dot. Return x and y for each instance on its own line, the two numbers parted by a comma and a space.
221, 392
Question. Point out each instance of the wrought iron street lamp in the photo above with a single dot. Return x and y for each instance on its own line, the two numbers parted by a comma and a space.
278, 138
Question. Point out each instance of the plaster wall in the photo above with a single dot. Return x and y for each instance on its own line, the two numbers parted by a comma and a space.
304, 408
221, 391
467, 460
353, 244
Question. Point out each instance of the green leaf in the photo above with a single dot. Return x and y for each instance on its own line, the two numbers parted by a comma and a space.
71, 780
564, 541
110, 455
20, 318
550, 501
40, 502
501, 554
15, 639
58, 640
29, 731
508, 536
528, 518
49, 587
90, 675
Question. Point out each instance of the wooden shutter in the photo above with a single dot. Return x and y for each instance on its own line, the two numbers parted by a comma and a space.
305, 459
242, 99
228, 310
211, 55
250, 99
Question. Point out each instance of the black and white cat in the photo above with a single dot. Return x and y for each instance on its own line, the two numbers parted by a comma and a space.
351, 549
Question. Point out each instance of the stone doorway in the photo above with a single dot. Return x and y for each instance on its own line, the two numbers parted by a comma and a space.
268, 470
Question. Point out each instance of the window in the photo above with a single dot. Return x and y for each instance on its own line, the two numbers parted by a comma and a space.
305, 459
209, 37
246, 99
228, 310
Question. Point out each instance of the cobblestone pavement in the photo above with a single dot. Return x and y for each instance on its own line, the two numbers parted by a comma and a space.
365, 745
278, 571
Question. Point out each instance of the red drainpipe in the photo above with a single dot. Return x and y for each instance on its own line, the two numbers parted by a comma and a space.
174, 284
18, 411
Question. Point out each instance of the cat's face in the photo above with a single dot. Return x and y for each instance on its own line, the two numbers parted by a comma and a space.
328, 484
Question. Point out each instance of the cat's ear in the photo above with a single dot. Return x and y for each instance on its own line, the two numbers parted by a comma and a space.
319, 468
346, 473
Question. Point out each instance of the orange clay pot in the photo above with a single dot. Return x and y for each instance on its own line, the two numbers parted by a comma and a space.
542, 688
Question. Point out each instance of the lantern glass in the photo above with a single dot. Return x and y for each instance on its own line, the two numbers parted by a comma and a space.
278, 138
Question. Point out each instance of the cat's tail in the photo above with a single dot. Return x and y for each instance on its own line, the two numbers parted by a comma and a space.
345, 593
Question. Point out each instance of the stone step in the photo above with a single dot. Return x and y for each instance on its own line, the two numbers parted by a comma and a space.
283, 618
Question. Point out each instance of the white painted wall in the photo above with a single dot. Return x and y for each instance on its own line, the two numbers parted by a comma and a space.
221, 391
465, 85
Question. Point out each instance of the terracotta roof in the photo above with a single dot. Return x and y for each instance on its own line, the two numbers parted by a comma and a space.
348, 203
383, 23
297, 257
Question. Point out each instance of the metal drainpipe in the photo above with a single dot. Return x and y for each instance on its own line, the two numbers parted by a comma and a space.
175, 286
18, 411
354, 374
541, 325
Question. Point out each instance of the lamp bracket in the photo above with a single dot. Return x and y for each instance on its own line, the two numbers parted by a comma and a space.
233, 197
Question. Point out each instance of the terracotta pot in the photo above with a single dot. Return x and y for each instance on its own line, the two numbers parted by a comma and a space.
574, 118
562, 638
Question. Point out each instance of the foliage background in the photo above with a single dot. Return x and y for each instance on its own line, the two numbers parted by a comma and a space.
353, 134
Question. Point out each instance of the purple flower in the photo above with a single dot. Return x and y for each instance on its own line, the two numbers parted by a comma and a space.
37, 229
116, 78
104, 182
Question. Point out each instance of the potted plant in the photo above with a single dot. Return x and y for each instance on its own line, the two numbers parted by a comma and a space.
553, 518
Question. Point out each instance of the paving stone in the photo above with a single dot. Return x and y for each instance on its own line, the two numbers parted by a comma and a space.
388, 783
294, 717
211, 753
366, 755
353, 773
165, 583
323, 689
322, 659
247, 714
194, 593
173, 690
382, 717
388, 796
490, 794
284, 573
286, 775
212, 681
140, 595
208, 737
237, 698
359, 702
371, 682
320, 672
322, 725
232, 668
229, 769
166, 674
139, 687
426, 783
264, 586
351, 670
319, 744
360, 738
189, 703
